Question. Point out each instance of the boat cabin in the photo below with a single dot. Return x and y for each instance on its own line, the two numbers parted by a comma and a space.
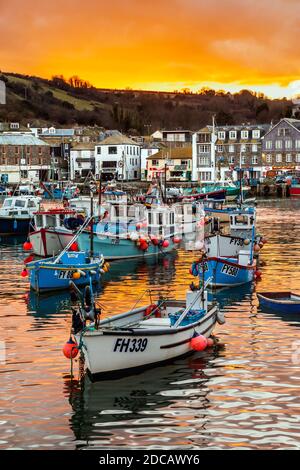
161, 221
242, 222
20, 206
52, 218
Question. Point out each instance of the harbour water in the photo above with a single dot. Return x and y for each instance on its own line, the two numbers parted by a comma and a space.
245, 395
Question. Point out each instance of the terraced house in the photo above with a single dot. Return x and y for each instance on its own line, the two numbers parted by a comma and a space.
281, 146
23, 156
219, 152
175, 163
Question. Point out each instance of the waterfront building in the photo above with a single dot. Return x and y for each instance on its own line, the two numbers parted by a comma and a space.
175, 163
281, 146
23, 157
118, 157
82, 160
218, 152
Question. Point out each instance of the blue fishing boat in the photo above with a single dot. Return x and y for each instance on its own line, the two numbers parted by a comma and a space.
57, 272
16, 213
229, 272
281, 302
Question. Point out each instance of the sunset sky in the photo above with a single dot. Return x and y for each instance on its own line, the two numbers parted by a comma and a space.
157, 44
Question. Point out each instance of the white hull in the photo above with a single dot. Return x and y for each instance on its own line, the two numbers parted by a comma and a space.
108, 351
47, 242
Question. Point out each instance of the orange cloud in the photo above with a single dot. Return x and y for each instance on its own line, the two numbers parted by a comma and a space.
163, 44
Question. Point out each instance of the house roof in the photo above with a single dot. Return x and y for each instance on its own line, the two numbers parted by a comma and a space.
293, 122
176, 153
84, 146
59, 133
21, 139
117, 140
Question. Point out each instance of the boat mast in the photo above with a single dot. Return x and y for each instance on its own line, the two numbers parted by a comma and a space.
240, 175
213, 150
92, 226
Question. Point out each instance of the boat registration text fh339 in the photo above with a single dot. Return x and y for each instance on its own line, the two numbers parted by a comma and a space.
130, 345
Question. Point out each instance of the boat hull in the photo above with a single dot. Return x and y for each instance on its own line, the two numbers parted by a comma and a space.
281, 304
14, 226
295, 190
46, 275
113, 248
46, 242
130, 351
226, 273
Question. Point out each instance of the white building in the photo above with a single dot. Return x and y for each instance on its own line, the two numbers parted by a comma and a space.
82, 160
118, 157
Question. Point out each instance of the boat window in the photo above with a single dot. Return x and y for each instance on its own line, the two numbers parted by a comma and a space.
31, 204
160, 218
39, 220
20, 203
172, 218
7, 203
50, 220
24, 212
241, 220
150, 218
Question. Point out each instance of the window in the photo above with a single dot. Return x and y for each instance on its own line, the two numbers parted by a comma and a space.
243, 159
40, 150
98, 150
244, 135
256, 134
14, 125
288, 158
205, 175
278, 158
283, 132
254, 147
278, 144
112, 150
221, 135
297, 144
288, 144
24, 174
219, 148
232, 135
231, 160
298, 158
254, 160
27, 150
269, 144
155, 162
231, 148
203, 148
243, 148
269, 158
16, 149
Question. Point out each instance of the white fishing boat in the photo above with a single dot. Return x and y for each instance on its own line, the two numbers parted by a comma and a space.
145, 336
16, 213
51, 230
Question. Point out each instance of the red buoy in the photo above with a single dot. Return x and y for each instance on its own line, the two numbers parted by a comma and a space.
24, 273
74, 247
210, 342
144, 245
154, 240
70, 349
165, 244
198, 343
176, 240
27, 246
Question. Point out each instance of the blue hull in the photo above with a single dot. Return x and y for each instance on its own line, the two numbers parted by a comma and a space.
10, 226
279, 305
120, 248
45, 275
226, 272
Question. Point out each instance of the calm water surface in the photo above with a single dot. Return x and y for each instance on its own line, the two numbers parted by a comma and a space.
244, 395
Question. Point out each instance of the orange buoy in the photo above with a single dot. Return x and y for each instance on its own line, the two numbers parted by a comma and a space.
76, 275
70, 349
198, 343
27, 246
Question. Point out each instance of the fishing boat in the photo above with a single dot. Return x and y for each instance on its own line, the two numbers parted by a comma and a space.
16, 213
51, 230
282, 302
229, 271
131, 239
59, 190
56, 273
143, 337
